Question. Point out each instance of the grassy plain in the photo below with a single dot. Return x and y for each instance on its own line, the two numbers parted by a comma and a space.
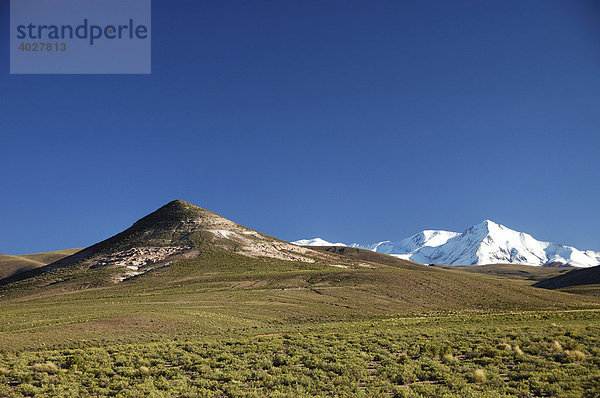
229, 325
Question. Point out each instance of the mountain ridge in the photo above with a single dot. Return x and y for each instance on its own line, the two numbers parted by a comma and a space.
176, 231
484, 243
14, 264
224, 276
577, 277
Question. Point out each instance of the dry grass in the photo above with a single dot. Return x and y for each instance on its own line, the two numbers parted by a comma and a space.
575, 355
10, 265
506, 347
525, 274
48, 367
449, 358
224, 291
517, 350
479, 376
556, 346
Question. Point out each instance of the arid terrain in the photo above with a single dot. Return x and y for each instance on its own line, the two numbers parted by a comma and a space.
187, 303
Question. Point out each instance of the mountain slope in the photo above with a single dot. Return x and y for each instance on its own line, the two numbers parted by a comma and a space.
414, 248
484, 243
528, 274
175, 232
14, 264
491, 243
184, 271
371, 256
578, 277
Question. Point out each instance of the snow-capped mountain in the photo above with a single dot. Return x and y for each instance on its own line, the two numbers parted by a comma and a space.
427, 238
491, 243
484, 243
316, 242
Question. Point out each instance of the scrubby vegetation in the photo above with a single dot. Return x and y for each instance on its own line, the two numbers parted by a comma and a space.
526, 354
227, 325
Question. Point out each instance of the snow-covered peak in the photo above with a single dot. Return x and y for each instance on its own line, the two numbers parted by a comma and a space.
491, 243
316, 242
429, 237
486, 227
485, 243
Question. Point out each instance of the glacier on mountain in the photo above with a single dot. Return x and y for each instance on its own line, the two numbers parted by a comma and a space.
484, 243
316, 242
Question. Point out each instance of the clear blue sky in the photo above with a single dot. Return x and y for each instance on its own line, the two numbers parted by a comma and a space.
350, 120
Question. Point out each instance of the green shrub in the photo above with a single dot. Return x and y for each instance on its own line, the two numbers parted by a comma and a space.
74, 362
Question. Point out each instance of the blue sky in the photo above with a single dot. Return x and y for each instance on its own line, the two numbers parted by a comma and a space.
350, 120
